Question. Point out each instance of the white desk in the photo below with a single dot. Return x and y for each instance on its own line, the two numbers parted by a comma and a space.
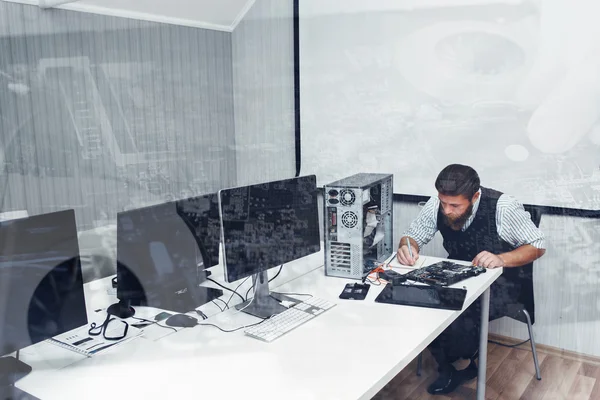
334, 356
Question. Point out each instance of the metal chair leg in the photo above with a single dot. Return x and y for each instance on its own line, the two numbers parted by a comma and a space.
419, 363
538, 375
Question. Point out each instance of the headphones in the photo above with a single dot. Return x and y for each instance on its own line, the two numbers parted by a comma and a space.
96, 330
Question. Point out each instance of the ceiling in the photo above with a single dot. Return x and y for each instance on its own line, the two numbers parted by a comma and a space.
315, 8
222, 15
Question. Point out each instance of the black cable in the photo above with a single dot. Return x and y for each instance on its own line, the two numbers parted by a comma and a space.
233, 330
365, 275
154, 323
164, 326
249, 289
277, 274
390, 261
235, 291
200, 313
226, 288
140, 326
508, 345
222, 301
374, 283
221, 309
145, 320
270, 280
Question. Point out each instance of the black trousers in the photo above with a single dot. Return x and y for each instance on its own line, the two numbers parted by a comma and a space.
461, 338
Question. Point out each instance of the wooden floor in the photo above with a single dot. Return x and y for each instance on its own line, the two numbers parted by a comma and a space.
510, 375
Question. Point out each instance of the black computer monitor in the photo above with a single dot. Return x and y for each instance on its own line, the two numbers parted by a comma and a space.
160, 261
201, 213
264, 226
41, 285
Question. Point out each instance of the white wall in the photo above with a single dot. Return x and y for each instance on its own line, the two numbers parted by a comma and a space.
408, 87
566, 282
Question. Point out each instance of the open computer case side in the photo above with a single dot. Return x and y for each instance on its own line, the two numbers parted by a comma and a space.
358, 224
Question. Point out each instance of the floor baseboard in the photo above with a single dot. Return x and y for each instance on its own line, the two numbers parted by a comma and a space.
550, 350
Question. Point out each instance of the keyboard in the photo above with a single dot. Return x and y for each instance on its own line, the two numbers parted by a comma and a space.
282, 323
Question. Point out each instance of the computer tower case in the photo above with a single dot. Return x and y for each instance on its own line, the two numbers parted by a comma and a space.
358, 219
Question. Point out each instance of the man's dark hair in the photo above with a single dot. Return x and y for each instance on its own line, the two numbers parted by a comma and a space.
456, 180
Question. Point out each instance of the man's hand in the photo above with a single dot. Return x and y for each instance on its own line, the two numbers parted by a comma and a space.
488, 260
404, 257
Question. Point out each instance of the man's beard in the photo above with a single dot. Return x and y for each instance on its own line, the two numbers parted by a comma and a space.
457, 223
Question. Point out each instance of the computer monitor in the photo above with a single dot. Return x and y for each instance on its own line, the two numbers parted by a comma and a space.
201, 213
41, 285
160, 261
264, 226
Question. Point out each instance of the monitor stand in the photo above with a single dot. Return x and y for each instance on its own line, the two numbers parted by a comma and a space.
264, 304
11, 370
121, 310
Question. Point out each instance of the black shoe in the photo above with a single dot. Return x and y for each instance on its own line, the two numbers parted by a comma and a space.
446, 382
450, 379
468, 373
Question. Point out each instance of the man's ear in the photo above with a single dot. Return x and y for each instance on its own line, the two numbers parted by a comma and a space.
475, 197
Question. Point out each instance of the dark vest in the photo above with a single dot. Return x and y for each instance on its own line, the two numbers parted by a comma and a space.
482, 235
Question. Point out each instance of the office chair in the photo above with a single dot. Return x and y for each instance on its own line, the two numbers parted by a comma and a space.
514, 288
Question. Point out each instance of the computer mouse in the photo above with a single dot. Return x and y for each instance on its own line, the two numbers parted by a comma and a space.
181, 321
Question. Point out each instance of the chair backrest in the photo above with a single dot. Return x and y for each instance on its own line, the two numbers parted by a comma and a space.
523, 278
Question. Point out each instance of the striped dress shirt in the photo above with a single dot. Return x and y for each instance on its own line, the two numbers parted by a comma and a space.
514, 224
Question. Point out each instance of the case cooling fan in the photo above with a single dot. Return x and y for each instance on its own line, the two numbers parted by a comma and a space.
347, 197
349, 219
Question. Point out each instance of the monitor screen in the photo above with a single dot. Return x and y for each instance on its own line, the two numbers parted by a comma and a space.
268, 224
41, 285
201, 213
157, 258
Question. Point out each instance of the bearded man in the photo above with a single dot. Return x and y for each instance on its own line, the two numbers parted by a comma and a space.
485, 227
